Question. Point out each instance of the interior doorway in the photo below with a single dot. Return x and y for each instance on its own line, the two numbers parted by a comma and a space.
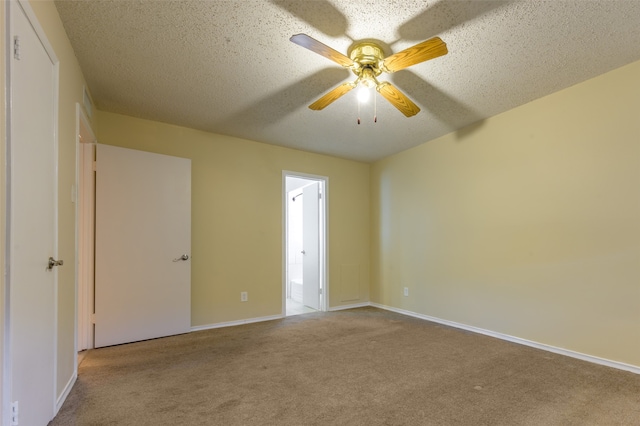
85, 231
305, 205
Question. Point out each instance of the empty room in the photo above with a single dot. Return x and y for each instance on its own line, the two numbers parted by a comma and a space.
318, 212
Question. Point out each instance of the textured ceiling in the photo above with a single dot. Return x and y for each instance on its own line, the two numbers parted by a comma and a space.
228, 67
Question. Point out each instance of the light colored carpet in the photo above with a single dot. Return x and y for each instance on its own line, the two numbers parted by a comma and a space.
356, 367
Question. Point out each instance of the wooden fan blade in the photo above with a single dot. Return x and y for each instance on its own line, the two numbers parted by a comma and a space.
421, 52
321, 49
398, 99
332, 96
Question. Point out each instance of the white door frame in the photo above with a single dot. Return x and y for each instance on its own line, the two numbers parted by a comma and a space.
85, 238
311, 243
324, 258
5, 419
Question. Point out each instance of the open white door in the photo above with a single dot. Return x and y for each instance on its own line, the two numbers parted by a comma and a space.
143, 244
32, 214
311, 244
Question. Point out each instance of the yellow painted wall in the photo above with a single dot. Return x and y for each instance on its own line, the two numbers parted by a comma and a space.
526, 224
71, 83
237, 216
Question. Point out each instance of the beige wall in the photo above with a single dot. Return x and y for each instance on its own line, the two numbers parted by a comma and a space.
525, 224
237, 216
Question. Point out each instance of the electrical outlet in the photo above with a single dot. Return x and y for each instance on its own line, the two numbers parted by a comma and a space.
244, 296
406, 291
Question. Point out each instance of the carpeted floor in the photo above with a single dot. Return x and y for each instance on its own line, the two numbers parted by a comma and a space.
356, 367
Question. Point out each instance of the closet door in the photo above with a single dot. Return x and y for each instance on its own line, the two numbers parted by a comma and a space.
32, 221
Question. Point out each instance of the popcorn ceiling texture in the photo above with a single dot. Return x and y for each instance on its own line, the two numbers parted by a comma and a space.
228, 67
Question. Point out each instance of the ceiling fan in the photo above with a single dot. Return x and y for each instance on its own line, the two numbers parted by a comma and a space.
367, 62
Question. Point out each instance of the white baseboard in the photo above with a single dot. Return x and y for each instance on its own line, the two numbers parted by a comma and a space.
561, 351
234, 323
343, 307
268, 318
65, 393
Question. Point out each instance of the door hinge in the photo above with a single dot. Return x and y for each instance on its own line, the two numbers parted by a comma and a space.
93, 318
14, 413
95, 165
16, 47
319, 195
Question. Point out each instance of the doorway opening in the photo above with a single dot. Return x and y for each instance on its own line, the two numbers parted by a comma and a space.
85, 229
305, 274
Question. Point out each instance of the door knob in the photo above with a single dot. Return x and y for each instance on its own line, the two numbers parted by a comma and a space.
303, 252
183, 257
53, 262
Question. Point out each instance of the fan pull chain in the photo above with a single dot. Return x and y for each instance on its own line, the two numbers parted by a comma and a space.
358, 112
375, 108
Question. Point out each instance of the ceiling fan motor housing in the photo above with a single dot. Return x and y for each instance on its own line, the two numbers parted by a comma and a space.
367, 55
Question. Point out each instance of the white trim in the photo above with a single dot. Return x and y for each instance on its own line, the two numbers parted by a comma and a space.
234, 323
76, 200
56, 221
65, 392
5, 409
84, 210
283, 244
42, 35
353, 306
324, 254
561, 351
